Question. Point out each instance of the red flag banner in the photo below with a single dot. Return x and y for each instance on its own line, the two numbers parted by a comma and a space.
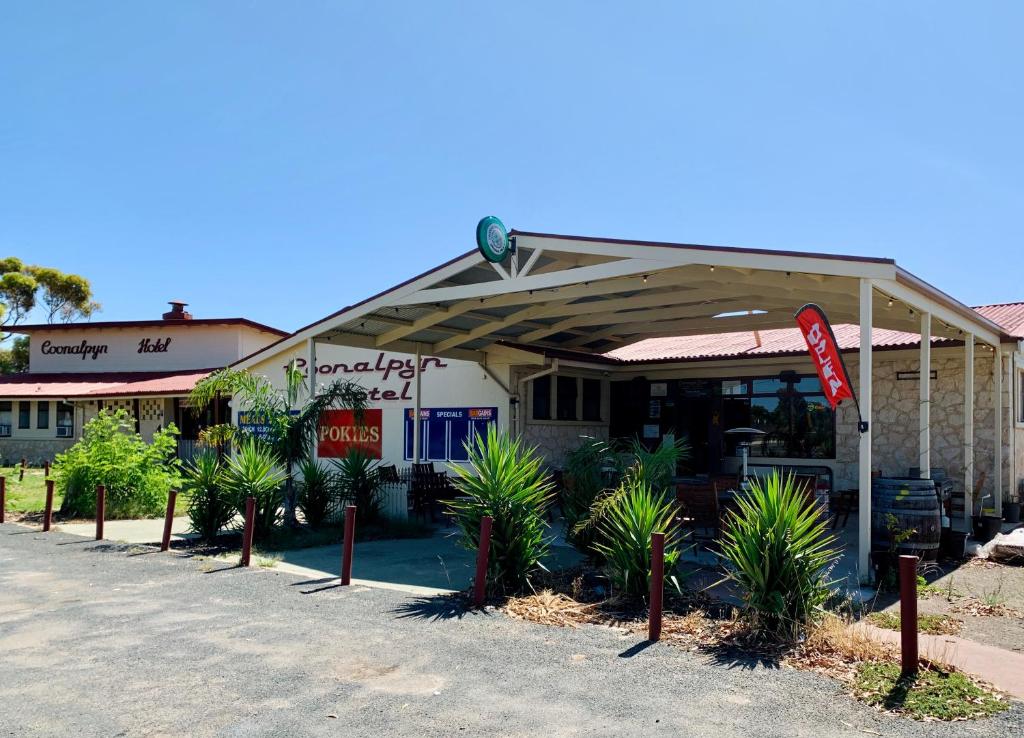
821, 342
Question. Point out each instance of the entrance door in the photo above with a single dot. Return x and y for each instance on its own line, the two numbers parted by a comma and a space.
694, 420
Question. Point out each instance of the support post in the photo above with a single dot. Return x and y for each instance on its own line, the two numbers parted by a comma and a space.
864, 467
312, 368
346, 545
483, 553
997, 450
172, 498
46, 469
101, 510
925, 415
48, 510
250, 523
968, 429
908, 615
416, 439
657, 586
3, 498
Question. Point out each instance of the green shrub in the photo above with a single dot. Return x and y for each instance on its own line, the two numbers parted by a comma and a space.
137, 475
632, 514
777, 549
317, 492
507, 482
210, 508
584, 481
359, 482
253, 472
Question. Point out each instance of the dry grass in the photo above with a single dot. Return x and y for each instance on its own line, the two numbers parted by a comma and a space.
553, 608
930, 623
972, 606
836, 647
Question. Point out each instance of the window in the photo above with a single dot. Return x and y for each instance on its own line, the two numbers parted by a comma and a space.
592, 399
792, 411
43, 415
24, 415
542, 398
566, 398
65, 420
5, 417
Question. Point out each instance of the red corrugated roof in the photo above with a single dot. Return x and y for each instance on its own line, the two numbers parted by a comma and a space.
1010, 316
67, 385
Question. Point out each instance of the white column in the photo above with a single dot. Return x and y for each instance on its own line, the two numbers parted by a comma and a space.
968, 428
997, 404
416, 440
864, 509
925, 416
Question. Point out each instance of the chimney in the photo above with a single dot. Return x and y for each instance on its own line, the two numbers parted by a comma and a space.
177, 311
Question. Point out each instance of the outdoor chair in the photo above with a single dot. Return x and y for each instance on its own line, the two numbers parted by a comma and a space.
427, 490
699, 510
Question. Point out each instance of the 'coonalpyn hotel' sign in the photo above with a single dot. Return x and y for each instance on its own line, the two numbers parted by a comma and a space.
386, 368
84, 349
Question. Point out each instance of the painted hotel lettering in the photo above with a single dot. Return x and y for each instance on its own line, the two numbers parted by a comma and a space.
149, 346
84, 349
386, 368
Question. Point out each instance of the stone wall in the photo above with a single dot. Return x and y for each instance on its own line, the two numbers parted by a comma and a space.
895, 434
36, 450
555, 440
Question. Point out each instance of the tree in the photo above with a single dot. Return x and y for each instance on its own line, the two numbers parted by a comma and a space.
64, 297
15, 359
289, 423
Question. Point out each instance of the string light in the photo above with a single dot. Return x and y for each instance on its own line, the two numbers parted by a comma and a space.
645, 279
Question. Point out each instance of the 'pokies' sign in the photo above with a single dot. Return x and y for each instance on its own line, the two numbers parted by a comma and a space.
341, 431
821, 342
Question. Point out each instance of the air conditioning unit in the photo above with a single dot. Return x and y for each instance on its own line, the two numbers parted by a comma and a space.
65, 431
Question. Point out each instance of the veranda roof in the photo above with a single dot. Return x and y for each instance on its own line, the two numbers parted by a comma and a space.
99, 385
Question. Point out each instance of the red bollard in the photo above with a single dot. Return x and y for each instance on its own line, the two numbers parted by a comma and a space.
346, 545
483, 553
908, 614
101, 510
46, 469
250, 522
172, 498
657, 586
48, 512
3, 498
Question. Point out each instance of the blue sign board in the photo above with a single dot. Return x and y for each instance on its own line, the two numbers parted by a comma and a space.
445, 430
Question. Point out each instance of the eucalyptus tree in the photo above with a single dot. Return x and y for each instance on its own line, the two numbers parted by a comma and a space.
288, 418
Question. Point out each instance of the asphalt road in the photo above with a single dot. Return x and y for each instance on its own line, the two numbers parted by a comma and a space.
101, 640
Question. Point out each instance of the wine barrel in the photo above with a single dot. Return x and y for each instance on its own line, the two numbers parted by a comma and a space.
905, 503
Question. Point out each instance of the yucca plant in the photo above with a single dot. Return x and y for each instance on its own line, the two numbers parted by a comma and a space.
253, 472
358, 479
506, 481
316, 492
778, 550
632, 513
209, 507
584, 481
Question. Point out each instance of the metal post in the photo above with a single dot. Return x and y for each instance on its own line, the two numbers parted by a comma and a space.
346, 544
250, 523
416, 440
483, 553
48, 511
908, 614
657, 586
46, 469
925, 416
3, 498
864, 469
968, 429
312, 368
101, 510
997, 446
172, 498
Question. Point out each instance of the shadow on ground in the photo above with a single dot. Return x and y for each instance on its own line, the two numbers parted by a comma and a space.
438, 607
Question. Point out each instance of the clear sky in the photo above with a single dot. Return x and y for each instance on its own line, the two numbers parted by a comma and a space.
279, 160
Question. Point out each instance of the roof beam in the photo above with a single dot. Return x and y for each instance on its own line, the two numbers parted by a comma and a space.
487, 328
690, 327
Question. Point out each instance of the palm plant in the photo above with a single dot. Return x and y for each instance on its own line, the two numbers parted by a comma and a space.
209, 508
584, 481
778, 550
316, 492
625, 531
505, 480
359, 481
291, 423
253, 472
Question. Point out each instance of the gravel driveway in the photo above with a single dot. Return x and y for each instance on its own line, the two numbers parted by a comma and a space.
98, 639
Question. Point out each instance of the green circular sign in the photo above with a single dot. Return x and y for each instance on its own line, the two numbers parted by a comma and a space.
492, 239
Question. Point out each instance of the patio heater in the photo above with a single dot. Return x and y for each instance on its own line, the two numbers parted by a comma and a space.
745, 436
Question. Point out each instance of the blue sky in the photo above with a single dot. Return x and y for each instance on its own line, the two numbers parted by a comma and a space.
281, 160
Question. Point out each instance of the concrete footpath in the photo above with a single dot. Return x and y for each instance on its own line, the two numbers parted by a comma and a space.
147, 530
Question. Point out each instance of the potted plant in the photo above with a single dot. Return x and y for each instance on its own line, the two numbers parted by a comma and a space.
1011, 505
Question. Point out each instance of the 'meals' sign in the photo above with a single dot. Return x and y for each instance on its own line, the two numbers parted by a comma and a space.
340, 432
821, 342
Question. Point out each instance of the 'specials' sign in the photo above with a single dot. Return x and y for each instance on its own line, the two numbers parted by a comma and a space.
824, 350
340, 432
